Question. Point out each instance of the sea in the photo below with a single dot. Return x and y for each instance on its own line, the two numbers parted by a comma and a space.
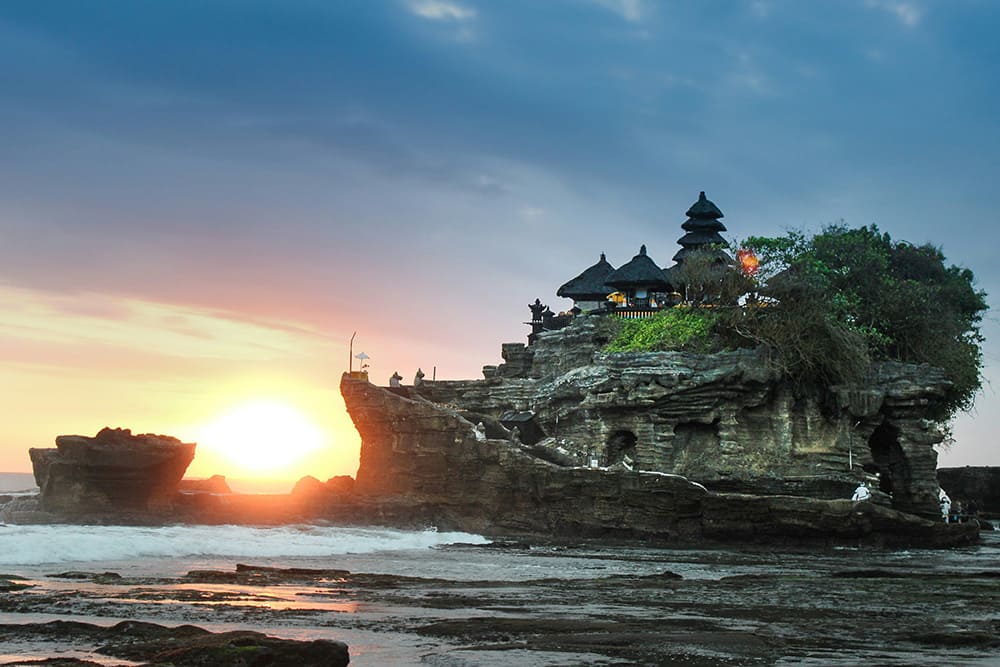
451, 599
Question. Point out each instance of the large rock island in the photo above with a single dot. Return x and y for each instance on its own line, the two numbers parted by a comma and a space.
564, 439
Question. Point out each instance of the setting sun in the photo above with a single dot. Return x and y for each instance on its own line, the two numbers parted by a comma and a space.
262, 436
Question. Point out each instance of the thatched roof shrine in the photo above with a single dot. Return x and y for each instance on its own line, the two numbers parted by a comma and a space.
590, 285
702, 229
640, 272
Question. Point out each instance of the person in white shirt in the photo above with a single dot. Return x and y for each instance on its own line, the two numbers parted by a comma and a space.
862, 492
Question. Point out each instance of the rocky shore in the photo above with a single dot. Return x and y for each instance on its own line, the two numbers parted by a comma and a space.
540, 603
179, 646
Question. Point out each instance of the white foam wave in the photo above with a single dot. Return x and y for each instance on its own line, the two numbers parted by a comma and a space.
37, 545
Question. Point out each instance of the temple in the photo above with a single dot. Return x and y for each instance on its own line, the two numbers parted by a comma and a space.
641, 287
590, 289
702, 227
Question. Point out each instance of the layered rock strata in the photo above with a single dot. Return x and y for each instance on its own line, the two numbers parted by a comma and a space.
114, 471
726, 420
426, 461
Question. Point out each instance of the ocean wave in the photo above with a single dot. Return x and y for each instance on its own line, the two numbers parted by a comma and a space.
37, 545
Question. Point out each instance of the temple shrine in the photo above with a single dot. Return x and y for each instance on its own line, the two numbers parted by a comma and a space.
641, 287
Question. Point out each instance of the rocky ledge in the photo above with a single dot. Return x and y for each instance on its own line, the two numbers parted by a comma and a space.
424, 461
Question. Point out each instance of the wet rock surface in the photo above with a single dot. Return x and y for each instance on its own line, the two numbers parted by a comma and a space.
621, 604
180, 646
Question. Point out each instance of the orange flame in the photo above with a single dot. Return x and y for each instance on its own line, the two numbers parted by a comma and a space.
748, 261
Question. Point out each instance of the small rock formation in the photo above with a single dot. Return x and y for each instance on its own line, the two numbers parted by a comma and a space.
978, 483
113, 472
214, 484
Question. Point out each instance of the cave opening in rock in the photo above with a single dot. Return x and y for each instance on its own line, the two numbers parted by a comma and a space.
621, 447
888, 459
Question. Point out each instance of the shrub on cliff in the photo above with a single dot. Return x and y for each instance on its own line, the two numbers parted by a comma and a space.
679, 328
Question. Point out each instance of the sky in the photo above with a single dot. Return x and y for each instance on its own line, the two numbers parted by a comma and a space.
201, 201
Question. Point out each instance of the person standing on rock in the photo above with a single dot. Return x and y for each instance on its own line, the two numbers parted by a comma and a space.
945, 502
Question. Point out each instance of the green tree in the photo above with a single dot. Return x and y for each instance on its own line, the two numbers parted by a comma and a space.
898, 300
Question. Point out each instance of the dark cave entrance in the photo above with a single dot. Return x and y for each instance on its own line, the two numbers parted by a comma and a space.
621, 447
889, 461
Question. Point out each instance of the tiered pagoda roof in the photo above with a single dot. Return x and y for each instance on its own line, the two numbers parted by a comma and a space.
591, 285
640, 272
702, 229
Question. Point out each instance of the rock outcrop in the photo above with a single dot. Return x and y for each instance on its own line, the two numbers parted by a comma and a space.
213, 484
424, 461
145, 643
978, 483
726, 420
114, 472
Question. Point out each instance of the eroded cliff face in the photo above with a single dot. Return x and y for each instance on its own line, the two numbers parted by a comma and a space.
426, 462
725, 420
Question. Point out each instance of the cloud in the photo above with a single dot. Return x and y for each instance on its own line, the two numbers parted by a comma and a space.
906, 13
531, 212
760, 9
630, 10
436, 10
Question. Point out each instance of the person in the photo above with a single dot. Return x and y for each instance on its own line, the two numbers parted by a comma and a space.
862, 492
419, 378
481, 432
945, 503
395, 379
972, 509
956, 511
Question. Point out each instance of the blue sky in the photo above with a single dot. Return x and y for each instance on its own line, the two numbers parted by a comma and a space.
420, 170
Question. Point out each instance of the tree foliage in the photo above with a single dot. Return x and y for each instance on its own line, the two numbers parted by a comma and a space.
847, 294
824, 306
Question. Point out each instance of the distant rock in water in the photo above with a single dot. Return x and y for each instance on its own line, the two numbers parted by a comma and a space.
214, 484
114, 471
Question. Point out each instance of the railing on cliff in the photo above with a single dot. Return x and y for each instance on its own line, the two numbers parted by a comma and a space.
635, 313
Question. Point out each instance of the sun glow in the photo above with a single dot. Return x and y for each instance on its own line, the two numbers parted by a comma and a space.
262, 436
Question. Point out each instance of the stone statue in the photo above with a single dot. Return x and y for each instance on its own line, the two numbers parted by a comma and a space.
395, 379
537, 309
419, 378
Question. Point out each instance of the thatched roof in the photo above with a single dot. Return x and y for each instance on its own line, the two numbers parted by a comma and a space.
702, 227
704, 208
640, 272
719, 254
589, 285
